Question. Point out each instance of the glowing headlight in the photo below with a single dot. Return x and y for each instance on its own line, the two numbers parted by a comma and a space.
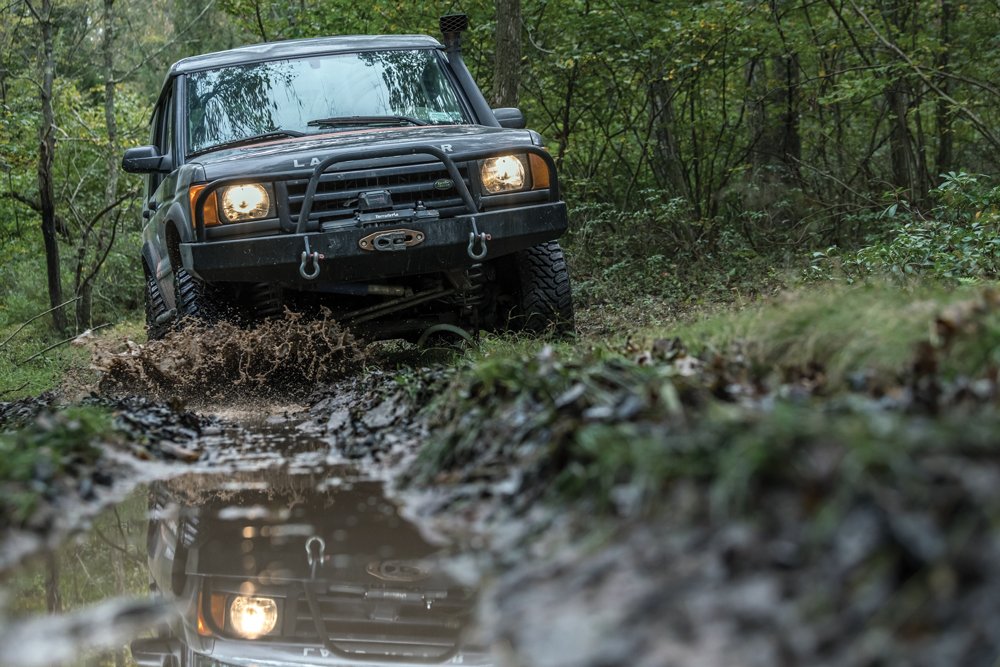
252, 617
245, 202
502, 174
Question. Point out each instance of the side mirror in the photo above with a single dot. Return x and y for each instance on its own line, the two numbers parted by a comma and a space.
145, 160
156, 652
510, 118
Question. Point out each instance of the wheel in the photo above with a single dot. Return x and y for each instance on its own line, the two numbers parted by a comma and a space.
543, 300
196, 298
158, 317
266, 301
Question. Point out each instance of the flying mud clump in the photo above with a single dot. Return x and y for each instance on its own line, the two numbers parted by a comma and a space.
292, 355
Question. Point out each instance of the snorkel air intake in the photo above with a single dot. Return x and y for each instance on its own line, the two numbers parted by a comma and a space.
452, 27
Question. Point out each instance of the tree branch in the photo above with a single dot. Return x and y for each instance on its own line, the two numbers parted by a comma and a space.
968, 113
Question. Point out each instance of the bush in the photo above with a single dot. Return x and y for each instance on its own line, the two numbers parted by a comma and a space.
958, 240
661, 249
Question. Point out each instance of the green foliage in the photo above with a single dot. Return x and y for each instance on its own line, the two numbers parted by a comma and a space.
662, 249
958, 240
42, 452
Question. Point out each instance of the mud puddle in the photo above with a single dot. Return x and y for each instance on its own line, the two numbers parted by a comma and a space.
268, 550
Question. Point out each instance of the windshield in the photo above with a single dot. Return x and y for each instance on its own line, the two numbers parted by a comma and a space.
234, 103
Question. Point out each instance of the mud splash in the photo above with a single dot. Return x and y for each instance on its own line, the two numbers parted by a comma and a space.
290, 355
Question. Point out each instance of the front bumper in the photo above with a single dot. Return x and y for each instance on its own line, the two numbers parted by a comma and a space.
444, 248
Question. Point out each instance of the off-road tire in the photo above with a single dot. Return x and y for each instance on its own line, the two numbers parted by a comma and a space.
156, 308
544, 301
195, 298
266, 302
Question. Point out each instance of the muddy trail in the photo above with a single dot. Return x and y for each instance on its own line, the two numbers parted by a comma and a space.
270, 548
654, 508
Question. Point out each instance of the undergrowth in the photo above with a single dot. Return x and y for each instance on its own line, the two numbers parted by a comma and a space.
661, 249
47, 450
956, 239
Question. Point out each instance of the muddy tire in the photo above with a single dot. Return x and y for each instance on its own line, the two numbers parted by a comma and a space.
157, 322
196, 298
543, 299
266, 302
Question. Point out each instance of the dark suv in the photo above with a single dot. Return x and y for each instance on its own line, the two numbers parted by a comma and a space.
366, 174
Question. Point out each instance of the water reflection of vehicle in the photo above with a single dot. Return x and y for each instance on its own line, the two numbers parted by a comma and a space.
289, 576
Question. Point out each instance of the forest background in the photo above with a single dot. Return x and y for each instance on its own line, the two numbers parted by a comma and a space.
709, 150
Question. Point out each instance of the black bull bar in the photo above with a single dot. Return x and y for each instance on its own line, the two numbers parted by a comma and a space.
373, 154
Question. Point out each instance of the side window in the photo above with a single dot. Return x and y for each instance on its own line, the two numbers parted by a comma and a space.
163, 137
166, 142
152, 180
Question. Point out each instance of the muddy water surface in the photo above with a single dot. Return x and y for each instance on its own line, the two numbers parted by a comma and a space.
272, 552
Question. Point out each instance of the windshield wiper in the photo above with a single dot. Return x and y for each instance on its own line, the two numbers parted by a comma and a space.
273, 134
340, 121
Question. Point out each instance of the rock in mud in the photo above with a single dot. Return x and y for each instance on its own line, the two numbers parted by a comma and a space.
19, 412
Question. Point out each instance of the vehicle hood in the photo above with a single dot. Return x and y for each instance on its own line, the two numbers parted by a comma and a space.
304, 153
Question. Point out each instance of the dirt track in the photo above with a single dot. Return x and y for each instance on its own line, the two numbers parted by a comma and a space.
895, 577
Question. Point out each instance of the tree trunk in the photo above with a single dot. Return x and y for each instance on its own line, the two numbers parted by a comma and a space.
945, 138
111, 188
84, 284
567, 117
53, 598
46, 152
666, 161
900, 150
773, 120
507, 63
903, 158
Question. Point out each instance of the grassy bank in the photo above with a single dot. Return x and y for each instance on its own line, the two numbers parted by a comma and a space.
868, 368
830, 455
28, 368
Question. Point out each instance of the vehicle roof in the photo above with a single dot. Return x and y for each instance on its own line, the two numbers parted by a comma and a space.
296, 48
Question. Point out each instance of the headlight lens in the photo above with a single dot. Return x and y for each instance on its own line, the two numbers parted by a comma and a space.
245, 202
252, 617
503, 174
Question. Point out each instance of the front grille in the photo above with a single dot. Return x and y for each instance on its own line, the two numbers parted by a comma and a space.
383, 621
337, 195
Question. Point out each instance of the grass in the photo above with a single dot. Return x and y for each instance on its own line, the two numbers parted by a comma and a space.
64, 366
587, 419
873, 327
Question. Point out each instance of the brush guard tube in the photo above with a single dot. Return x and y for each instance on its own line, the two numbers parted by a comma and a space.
447, 243
373, 154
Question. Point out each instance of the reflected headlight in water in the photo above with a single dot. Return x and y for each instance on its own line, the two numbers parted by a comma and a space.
250, 201
503, 174
253, 617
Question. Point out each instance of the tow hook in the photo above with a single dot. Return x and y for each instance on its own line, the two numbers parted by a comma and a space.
308, 256
482, 237
315, 554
